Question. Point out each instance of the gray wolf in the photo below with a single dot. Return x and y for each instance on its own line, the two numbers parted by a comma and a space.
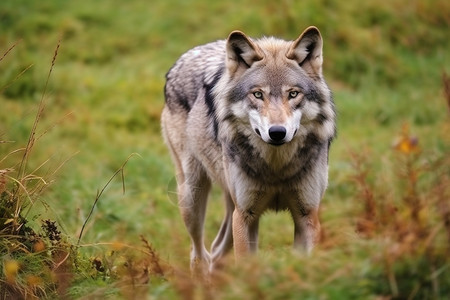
256, 117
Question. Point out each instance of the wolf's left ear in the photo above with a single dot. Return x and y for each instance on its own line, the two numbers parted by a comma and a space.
241, 52
307, 51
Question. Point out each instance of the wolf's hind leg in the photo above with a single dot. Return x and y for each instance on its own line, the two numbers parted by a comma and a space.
223, 242
193, 196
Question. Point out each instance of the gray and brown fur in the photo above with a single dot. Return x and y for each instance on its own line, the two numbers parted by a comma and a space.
257, 118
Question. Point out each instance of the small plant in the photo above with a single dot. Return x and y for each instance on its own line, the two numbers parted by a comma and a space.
408, 219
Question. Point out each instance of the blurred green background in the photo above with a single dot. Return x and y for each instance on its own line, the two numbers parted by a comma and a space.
383, 61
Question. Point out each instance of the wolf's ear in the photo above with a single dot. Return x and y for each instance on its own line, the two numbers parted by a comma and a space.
241, 52
307, 51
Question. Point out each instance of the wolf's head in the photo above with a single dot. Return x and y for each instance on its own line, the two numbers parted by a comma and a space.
275, 88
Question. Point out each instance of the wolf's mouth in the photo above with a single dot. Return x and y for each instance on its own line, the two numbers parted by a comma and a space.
277, 144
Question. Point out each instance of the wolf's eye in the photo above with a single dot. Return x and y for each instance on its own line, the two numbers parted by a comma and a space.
258, 95
293, 94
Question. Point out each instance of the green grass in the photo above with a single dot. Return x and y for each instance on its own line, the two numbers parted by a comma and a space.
384, 63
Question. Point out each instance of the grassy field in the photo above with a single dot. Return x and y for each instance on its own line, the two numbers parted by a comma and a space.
81, 91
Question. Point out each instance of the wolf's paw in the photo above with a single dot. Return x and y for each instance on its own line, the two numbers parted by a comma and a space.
200, 267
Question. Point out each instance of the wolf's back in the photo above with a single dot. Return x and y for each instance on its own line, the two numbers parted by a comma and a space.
193, 71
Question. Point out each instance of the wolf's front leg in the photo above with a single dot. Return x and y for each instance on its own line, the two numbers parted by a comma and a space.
245, 233
249, 203
307, 229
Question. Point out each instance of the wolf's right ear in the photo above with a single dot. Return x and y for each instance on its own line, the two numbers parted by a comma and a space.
241, 52
307, 51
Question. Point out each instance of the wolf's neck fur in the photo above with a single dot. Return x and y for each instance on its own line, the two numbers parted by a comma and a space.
271, 164
276, 157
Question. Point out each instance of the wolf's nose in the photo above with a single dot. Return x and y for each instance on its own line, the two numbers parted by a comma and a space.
277, 133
